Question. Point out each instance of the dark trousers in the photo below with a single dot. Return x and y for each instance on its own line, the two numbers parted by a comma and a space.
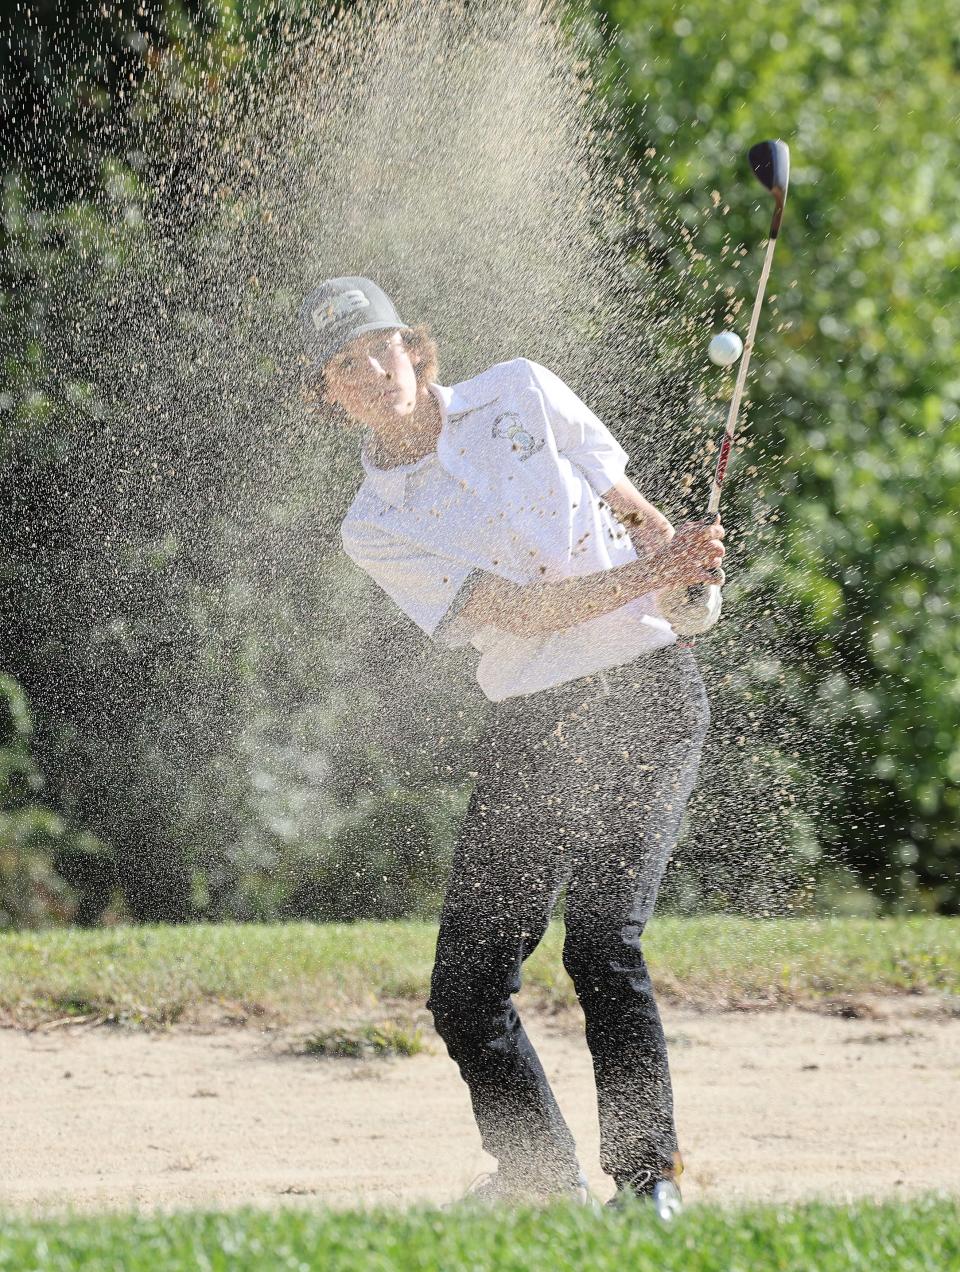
582, 786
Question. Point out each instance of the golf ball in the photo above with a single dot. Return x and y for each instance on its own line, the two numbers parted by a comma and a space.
725, 348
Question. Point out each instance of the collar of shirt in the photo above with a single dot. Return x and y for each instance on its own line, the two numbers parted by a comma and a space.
391, 483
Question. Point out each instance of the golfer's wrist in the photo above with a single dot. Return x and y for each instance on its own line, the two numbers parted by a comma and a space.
647, 574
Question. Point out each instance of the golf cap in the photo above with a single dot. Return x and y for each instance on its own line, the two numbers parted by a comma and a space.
341, 309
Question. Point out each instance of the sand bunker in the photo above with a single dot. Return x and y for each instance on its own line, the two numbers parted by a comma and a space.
773, 1106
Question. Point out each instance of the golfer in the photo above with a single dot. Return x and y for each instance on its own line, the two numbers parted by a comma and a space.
495, 513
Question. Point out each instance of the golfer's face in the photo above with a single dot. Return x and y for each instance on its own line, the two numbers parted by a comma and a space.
373, 379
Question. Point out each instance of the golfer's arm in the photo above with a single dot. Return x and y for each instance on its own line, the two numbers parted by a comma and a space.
537, 609
648, 528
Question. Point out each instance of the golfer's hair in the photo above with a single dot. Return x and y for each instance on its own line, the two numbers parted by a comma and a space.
419, 340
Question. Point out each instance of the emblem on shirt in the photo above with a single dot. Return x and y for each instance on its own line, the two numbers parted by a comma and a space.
509, 426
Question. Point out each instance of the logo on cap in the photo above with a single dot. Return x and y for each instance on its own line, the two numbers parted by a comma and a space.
337, 309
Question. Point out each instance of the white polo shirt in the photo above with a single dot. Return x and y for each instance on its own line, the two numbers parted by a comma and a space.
512, 489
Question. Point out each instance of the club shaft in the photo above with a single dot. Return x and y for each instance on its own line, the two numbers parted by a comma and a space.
734, 410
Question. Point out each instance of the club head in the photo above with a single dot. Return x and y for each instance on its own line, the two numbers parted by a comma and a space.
770, 161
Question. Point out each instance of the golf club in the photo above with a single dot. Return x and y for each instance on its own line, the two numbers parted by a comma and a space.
770, 161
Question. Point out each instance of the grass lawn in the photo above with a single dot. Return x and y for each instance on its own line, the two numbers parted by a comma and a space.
909, 1237
291, 972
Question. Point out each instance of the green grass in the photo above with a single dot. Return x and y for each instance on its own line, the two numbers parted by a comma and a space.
917, 1236
363, 1042
300, 971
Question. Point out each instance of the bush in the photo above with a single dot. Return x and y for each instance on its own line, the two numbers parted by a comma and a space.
854, 421
32, 892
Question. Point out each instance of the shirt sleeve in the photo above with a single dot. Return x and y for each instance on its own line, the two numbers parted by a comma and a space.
579, 434
430, 588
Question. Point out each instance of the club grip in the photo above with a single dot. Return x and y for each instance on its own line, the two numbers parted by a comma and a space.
697, 591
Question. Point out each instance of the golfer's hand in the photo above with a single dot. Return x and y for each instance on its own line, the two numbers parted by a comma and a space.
694, 555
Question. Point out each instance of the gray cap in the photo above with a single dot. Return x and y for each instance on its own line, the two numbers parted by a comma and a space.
341, 309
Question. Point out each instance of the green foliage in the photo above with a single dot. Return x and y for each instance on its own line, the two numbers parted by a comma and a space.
141, 671
920, 1235
300, 971
855, 415
31, 890
82, 69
